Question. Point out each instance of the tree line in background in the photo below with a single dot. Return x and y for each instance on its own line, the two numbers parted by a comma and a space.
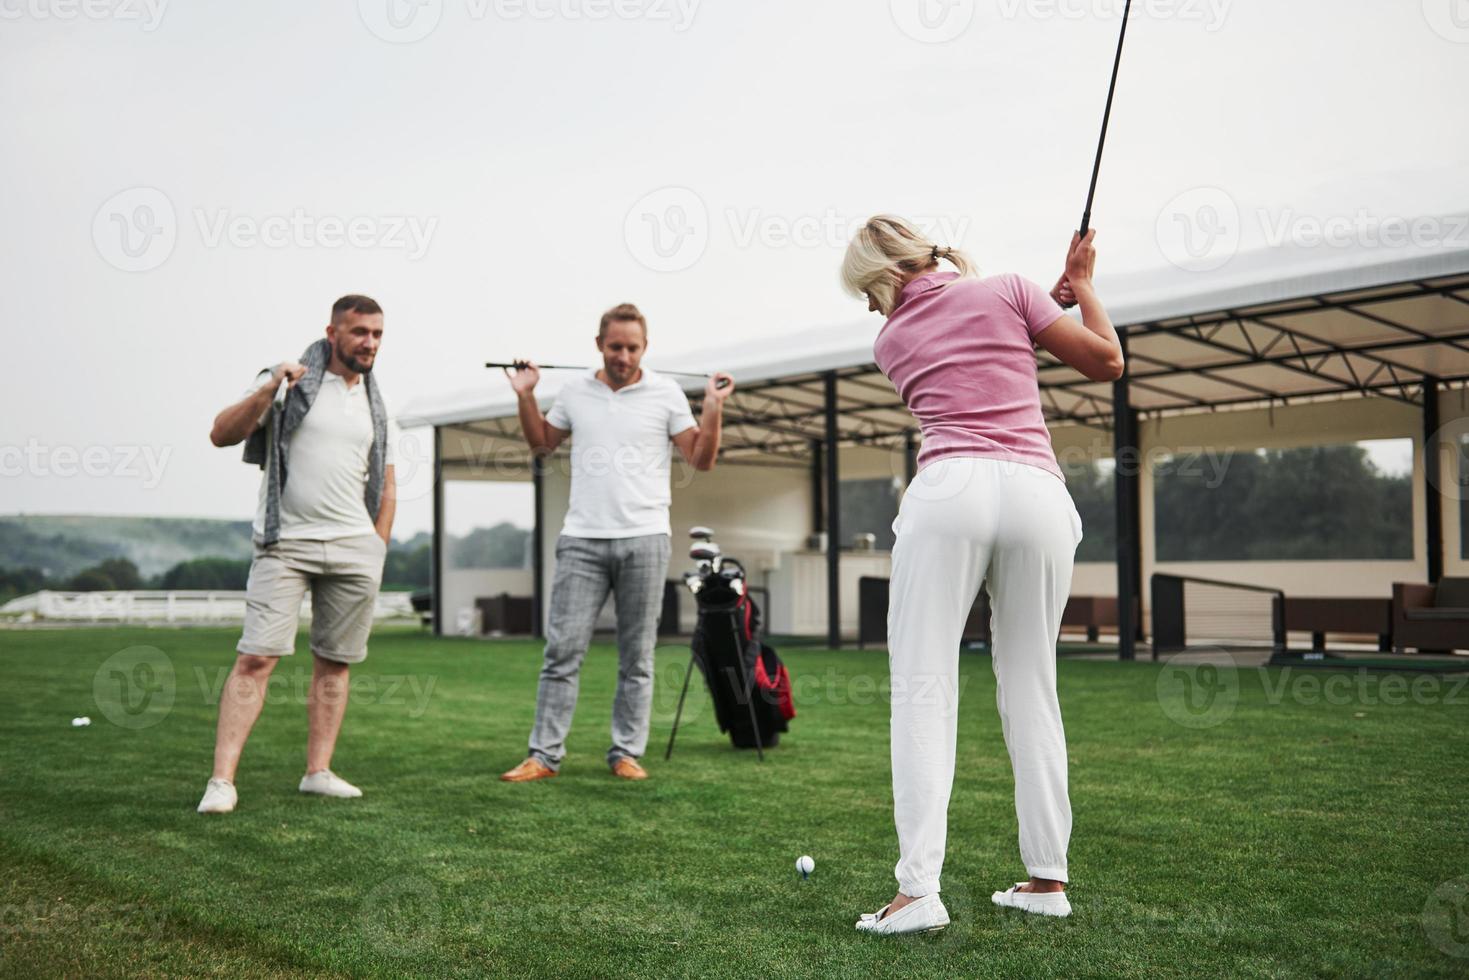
404, 568
409, 565
64, 546
1310, 503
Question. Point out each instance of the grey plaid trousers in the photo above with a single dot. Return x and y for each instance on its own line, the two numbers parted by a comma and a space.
587, 571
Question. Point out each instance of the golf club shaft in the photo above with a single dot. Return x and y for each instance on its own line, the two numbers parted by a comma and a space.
573, 367
1086, 215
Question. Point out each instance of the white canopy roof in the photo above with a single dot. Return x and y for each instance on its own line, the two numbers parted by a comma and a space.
1276, 324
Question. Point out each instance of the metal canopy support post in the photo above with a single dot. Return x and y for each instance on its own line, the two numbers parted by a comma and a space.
538, 552
833, 519
436, 571
1432, 474
818, 502
1128, 470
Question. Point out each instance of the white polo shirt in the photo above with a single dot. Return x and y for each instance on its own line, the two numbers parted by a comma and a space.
326, 464
621, 457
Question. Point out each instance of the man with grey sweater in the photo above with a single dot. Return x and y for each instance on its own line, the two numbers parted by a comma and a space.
319, 430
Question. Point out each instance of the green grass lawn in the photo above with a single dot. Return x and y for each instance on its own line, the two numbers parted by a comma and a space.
1282, 830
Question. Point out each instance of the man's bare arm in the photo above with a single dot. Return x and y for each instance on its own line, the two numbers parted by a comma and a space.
389, 508
234, 425
541, 436
700, 445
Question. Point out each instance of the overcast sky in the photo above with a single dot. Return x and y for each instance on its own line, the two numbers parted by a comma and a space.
186, 187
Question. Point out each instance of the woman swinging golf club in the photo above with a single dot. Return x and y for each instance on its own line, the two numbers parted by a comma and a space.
988, 505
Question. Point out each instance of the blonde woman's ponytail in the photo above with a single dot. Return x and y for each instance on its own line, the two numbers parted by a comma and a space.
886, 251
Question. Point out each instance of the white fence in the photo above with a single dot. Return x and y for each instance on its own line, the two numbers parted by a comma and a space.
184, 607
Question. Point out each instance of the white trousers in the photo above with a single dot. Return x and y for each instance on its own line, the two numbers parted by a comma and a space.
1013, 527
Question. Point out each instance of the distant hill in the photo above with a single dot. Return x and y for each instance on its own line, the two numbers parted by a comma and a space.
63, 546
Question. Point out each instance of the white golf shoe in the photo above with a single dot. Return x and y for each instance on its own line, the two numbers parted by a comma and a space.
328, 783
926, 914
219, 797
1040, 903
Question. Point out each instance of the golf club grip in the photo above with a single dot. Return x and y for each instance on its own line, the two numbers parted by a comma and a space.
1086, 223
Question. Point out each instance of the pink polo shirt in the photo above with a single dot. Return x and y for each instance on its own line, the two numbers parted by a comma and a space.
963, 359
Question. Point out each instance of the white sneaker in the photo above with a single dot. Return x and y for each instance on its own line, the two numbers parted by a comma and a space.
219, 797
328, 783
926, 914
1041, 903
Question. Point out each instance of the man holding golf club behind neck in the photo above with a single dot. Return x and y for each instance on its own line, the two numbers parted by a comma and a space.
616, 537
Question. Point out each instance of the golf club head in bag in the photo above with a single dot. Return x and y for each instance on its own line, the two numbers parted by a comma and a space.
747, 681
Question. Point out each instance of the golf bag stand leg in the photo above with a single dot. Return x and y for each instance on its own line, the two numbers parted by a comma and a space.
747, 683
679, 713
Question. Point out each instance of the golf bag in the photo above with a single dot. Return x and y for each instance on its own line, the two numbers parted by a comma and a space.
747, 682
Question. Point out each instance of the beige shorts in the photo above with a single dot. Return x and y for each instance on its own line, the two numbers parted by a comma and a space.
343, 576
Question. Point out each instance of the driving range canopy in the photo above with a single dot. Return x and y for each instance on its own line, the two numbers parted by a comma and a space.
1280, 326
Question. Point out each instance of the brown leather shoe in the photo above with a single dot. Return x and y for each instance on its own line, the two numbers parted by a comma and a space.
625, 768
529, 769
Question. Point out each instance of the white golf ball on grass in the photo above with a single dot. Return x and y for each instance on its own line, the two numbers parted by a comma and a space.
805, 865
